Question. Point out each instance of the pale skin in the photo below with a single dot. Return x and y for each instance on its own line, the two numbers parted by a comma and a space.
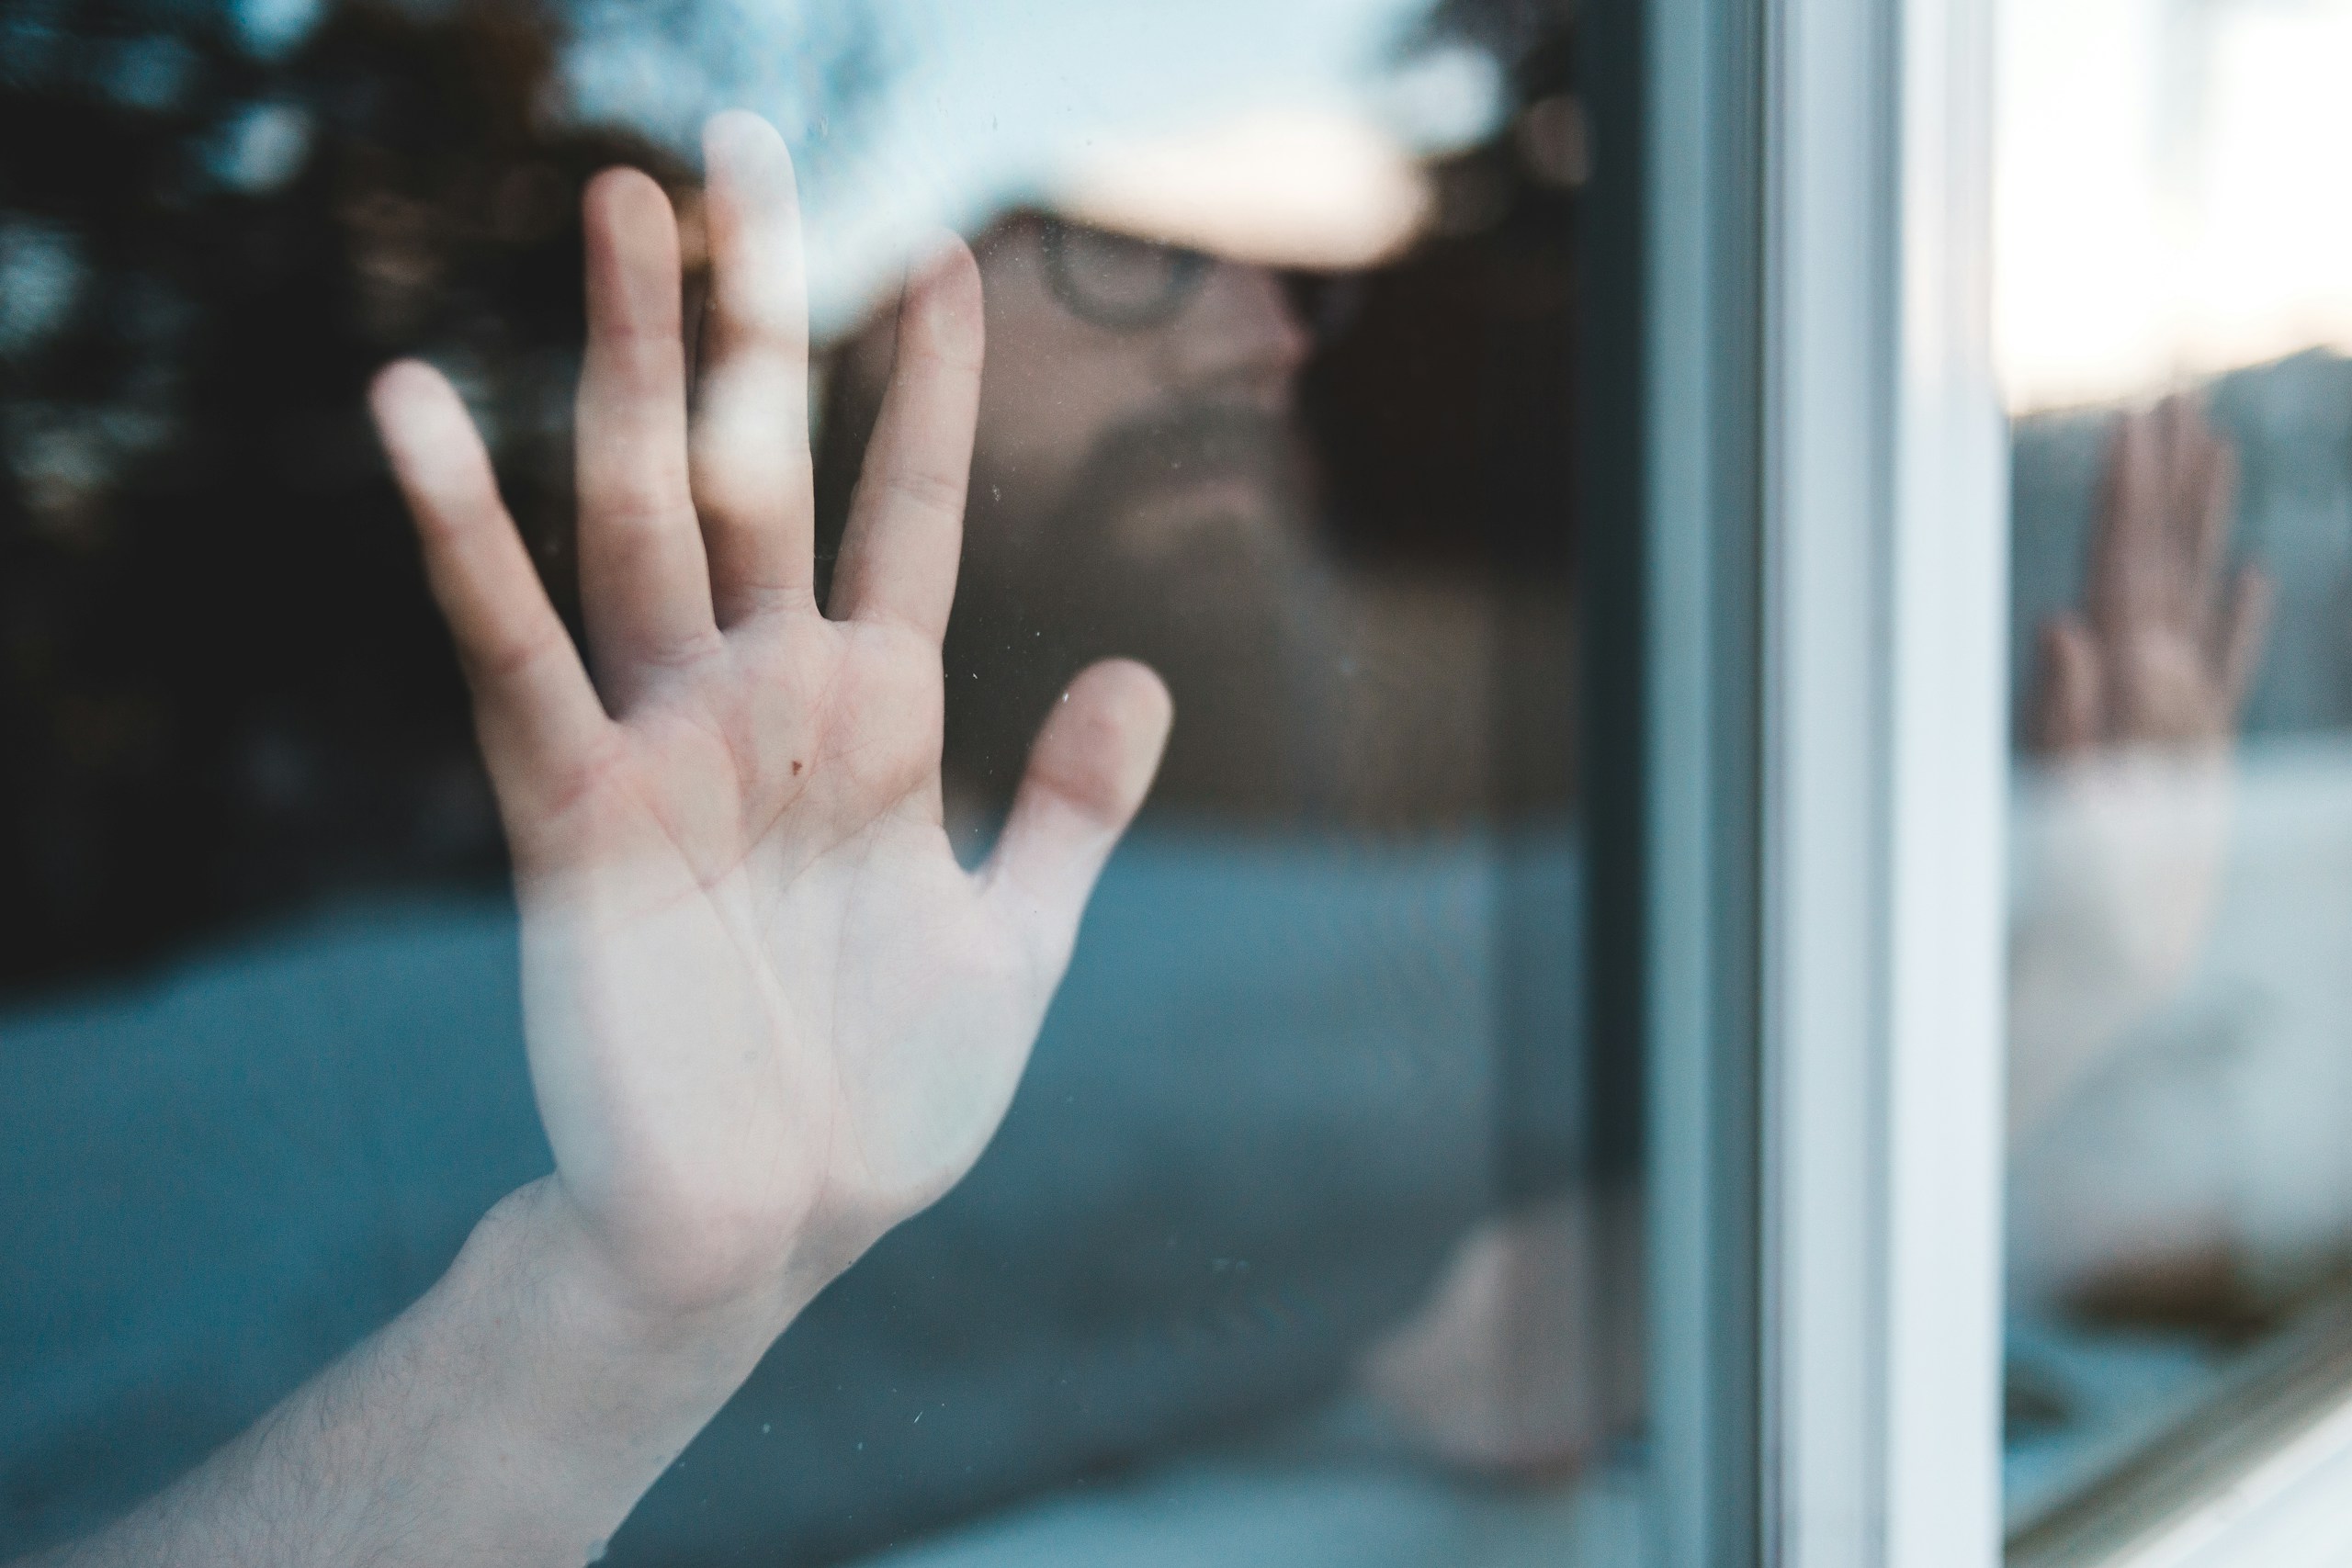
768, 1016
2135, 715
2127, 830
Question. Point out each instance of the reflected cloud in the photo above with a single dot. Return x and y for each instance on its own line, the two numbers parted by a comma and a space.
1286, 188
904, 115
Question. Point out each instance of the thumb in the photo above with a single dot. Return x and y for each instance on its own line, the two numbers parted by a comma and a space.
1088, 773
2246, 626
2066, 720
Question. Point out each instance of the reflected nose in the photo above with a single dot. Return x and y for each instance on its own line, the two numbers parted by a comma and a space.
1241, 337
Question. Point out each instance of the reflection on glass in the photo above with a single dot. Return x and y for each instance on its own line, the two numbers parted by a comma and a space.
2174, 294
1296, 1211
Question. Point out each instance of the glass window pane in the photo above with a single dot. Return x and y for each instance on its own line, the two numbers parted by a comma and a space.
2174, 304
1301, 1236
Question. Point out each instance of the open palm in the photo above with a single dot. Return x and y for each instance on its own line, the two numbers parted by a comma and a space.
2160, 655
2126, 831
768, 1014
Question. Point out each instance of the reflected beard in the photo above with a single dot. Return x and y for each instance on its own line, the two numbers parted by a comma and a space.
1185, 542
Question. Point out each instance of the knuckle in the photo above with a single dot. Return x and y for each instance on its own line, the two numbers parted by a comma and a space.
935, 351
633, 488
503, 662
763, 323
928, 490
634, 523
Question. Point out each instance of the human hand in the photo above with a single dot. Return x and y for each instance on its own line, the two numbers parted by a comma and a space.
2135, 712
1518, 1364
2160, 655
768, 1016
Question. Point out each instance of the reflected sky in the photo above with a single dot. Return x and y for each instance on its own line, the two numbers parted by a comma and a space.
2168, 190
906, 114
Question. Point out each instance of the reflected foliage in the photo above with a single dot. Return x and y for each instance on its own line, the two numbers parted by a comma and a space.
223, 686
225, 690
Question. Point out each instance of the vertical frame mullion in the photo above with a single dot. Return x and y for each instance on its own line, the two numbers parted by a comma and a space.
1675, 86
1885, 606
1799, 647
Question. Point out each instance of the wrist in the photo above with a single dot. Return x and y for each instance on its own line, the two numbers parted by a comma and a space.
585, 1391
523, 1405
582, 1292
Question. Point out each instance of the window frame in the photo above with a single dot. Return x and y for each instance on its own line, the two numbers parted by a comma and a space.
2255, 1470
1885, 786
1817, 641
1798, 634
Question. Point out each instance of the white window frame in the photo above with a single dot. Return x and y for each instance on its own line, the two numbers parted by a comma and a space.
1884, 782
1822, 752
1824, 592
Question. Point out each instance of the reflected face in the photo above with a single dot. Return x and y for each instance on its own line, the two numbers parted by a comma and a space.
1139, 486
1150, 390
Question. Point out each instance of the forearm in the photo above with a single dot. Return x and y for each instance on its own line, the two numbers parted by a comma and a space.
514, 1415
2120, 858
2065, 1013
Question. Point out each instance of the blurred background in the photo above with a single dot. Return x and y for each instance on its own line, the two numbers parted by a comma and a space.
224, 693
1283, 328
2173, 304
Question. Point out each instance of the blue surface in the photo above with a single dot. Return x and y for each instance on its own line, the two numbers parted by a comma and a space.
1263, 1108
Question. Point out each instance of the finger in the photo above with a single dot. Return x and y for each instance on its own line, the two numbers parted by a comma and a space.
539, 718
2181, 436
2211, 506
2245, 629
2129, 554
750, 450
644, 586
2066, 717
2181, 445
1088, 773
906, 522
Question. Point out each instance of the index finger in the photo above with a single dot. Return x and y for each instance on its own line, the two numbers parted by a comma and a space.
2131, 554
540, 720
906, 522
2208, 503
